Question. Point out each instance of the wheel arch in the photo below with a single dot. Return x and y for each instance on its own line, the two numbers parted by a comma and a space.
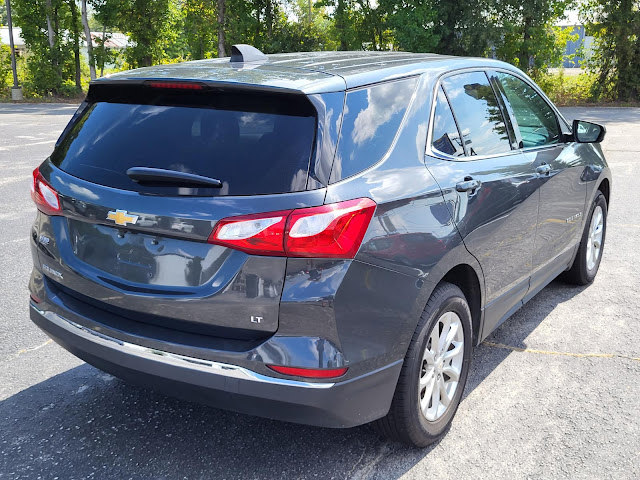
605, 188
462, 269
466, 279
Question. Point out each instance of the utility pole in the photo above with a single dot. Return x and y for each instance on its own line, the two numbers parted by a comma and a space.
16, 91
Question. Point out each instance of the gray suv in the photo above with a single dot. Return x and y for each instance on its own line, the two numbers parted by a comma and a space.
312, 237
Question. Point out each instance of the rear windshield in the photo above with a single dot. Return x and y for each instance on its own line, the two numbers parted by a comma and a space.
250, 152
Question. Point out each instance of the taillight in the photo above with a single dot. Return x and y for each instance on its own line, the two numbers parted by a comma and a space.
261, 234
333, 231
309, 372
328, 231
44, 196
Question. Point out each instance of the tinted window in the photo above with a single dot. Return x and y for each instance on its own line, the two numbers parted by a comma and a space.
535, 118
479, 117
250, 152
446, 137
371, 120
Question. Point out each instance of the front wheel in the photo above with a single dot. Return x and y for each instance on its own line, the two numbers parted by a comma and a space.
434, 372
587, 261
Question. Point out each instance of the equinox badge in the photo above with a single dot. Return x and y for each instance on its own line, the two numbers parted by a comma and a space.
121, 217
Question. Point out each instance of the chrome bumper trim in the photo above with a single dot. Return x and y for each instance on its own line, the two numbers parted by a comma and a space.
202, 365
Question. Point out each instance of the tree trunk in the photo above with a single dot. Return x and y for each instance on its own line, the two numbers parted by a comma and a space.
52, 38
76, 42
525, 52
87, 34
341, 25
623, 51
104, 50
54, 51
221, 24
269, 18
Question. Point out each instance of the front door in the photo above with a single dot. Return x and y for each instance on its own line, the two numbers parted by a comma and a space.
562, 192
490, 186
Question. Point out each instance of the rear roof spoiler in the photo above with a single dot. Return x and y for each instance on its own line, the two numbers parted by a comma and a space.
211, 84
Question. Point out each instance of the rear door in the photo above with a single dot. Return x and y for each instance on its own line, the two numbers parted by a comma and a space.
490, 186
137, 246
562, 191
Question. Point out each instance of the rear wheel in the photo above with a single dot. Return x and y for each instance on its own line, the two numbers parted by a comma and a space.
587, 261
434, 372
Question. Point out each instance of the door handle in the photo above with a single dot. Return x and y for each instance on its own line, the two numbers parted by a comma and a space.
543, 169
468, 185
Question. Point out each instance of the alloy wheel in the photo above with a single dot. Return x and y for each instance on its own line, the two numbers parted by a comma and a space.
594, 240
441, 366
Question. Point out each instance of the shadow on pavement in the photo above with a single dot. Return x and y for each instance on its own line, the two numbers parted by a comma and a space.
84, 423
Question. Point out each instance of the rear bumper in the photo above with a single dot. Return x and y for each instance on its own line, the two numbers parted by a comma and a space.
342, 404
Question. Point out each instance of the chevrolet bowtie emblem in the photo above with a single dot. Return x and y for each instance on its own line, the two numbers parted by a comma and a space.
121, 217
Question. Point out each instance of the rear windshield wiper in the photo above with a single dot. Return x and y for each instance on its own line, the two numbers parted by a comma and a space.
171, 177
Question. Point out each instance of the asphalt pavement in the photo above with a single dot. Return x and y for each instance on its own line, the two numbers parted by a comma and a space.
553, 393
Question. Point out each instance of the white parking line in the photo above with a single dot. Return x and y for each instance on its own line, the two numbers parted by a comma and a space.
15, 240
16, 178
6, 147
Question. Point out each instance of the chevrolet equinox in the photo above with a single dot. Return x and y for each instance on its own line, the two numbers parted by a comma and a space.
318, 238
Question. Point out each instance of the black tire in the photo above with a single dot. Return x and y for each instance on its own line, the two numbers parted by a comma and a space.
579, 273
405, 421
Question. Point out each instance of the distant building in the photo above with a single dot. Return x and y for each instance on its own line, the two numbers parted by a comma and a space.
115, 41
580, 48
18, 41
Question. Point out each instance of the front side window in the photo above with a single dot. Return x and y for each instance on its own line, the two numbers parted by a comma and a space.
535, 119
482, 125
446, 137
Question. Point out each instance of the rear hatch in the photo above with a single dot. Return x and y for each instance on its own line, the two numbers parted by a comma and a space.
144, 173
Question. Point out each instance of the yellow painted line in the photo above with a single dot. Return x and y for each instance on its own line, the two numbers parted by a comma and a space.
566, 354
37, 347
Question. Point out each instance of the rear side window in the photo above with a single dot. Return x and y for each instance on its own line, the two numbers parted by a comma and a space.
536, 120
371, 120
480, 119
250, 152
446, 137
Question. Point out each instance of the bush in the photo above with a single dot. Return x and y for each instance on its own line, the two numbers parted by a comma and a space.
68, 89
5, 68
40, 80
565, 89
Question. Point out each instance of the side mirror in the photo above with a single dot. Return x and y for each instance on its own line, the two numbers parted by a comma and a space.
587, 132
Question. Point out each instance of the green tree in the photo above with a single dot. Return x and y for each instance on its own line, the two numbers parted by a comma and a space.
357, 24
615, 25
441, 26
75, 38
105, 18
50, 61
309, 31
200, 27
528, 37
89, 40
149, 26
412, 23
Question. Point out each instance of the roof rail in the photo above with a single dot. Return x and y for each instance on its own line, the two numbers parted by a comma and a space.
246, 53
